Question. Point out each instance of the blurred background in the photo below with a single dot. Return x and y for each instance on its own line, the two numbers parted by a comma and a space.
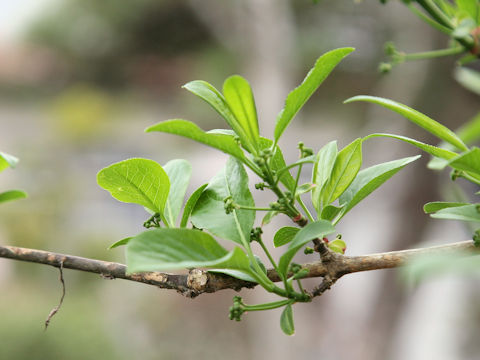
81, 79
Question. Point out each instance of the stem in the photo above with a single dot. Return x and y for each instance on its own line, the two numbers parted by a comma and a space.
297, 179
433, 54
268, 306
274, 264
304, 207
244, 207
299, 283
436, 13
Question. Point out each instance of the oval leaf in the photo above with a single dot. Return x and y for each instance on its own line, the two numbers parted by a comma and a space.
209, 212
463, 213
138, 181
284, 235
212, 96
12, 195
344, 170
299, 96
468, 161
432, 126
188, 129
179, 172
168, 249
317, 229
432, 150
369, 180
322, 170
239, 96
189, 206
435, 206
286, 320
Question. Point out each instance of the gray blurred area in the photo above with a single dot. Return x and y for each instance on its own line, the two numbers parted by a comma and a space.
83, 78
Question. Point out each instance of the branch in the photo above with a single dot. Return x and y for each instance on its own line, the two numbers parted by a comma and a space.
198, 281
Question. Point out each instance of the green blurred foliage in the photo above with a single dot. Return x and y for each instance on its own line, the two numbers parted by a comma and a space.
99, 39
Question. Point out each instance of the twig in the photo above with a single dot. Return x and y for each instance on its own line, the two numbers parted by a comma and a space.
198, 281
56, 308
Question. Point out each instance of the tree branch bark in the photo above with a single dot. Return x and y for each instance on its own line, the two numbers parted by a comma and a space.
199, 281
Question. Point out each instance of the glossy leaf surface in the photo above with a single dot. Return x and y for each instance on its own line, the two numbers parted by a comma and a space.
179, 172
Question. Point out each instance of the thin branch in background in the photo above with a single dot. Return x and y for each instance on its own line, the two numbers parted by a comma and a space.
56, 308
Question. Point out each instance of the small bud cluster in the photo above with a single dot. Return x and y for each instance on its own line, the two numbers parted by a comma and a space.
298, 271
237, 309
229, 205
154, 221
304, 151
256, 234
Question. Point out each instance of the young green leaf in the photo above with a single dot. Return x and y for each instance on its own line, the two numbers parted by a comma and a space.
468, 161
190, 205
225, 143
209, 212
329, 212
138, 181
470, 79
286, 320
268, 217
169, 249
284, 235
347, 164
317, 229
369, 180
12, 195
239, 96
470, 131
322, 169
338, 246
435, 206
7, 160
432, 150
122, 242
217, 101
179, 172
299, 96
464, 213
432, 126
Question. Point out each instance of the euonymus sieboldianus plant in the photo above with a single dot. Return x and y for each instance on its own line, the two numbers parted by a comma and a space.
225, 208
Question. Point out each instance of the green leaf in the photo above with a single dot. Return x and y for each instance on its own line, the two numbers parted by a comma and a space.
432, 150
12, 195
470, 8
190, 205
217, 101
209, 212
322, 170
317, 229
284, 235
7, 160
225, 143
416, 117
463, 213
169, 249
347, 164
286, 320
468, 78
468, 161
179, 172
435, 206
338, 246
304, 188
239, 96
268, 217
277, 163
120, 243
299, 96
329, 212
470, 132
138, 181
369, 180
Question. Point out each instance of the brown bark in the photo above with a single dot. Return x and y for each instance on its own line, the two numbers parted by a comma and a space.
199, 281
